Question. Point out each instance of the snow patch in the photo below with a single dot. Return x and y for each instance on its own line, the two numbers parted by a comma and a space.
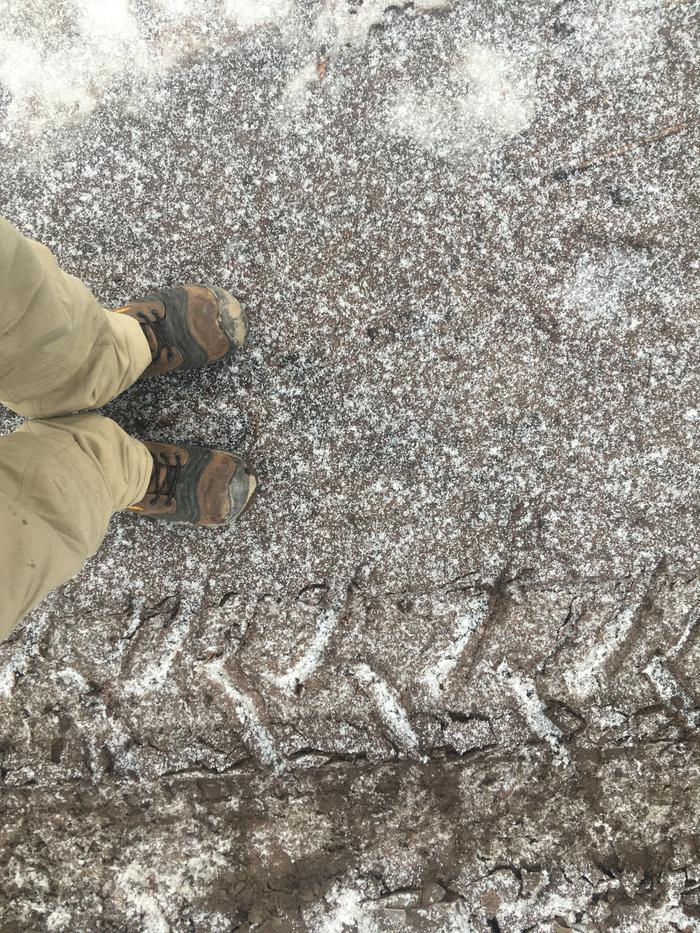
58, 919
603, 289
486, 97
435, 677
57, 76
583, 679
26, 649
150, 897
248, 14
344, 23
311, 658
156, 673
346, 912
56, 79
59, 62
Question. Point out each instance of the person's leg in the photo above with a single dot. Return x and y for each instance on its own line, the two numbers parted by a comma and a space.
61, 480
60, 351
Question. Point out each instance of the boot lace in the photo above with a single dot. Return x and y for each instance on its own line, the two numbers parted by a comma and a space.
156, 327
166, 475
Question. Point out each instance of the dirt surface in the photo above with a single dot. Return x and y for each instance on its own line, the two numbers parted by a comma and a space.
444, 676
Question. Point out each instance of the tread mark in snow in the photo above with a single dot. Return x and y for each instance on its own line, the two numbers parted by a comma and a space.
391, 712
583, 679
468, 622
309, 661
156, 673
532, 708
255, 733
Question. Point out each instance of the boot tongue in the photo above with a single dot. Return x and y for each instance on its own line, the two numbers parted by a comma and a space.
158, 475
150, 337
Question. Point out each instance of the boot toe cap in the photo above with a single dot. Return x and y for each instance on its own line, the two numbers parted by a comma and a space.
241, 490
232, 317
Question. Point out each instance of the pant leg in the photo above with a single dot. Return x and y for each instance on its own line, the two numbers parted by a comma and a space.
60, 482
60, 351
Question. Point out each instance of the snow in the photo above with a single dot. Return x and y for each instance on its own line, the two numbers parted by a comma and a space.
250, 13
346, 912
533, 709
466, 625
147, 895
466, 237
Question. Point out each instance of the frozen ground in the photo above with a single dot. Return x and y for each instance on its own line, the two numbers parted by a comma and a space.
445, 676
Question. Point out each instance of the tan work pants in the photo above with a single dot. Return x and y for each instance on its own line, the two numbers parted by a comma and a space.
62, 476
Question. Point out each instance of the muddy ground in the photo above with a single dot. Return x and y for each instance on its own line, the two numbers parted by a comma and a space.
444, 674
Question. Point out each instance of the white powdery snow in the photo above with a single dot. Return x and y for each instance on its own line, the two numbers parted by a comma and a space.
58, 919
339, 23
55, 76
156, 674
150, 897
309, 661
52, 79
605, 286
533, 710
468, 622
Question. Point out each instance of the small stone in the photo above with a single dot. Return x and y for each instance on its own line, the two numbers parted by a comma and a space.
433, 893
393, 915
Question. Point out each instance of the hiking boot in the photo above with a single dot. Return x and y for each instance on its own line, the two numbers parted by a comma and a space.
196, 485
188, 326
